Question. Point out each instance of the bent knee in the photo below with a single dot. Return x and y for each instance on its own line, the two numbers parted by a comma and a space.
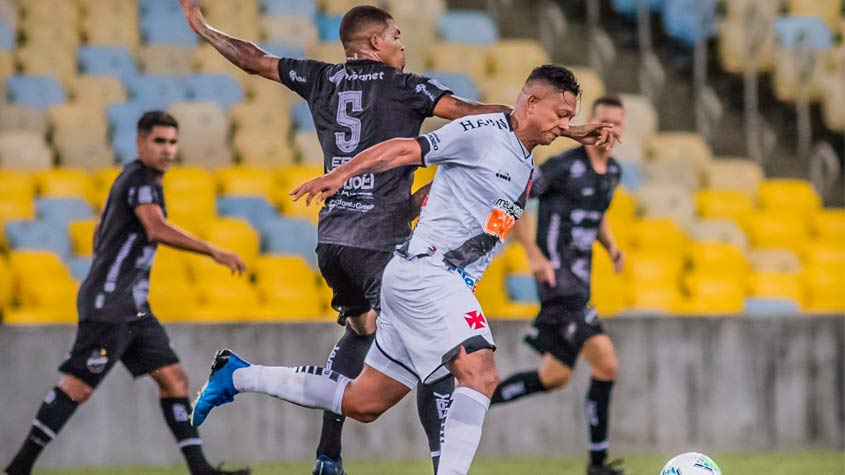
366, 413
556, 381
76, 390
607, 371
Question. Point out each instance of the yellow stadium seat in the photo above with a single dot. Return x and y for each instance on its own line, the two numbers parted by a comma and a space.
779, 230
829, 10
245, 181
423, 176
103, 180
20, 117
513, 59
825, 255
499, 91
458, 57
203, 132
7, 284
560, 145
172, 265
97, 91
82, 236
709, 257
112, 29
622, 208
111, 8
664, 299
189, 194
49, 293
64, 183
516, 260
275, 268
735, 174
338, 7
592, 87
7, 64
829, 225
49, 61
32, 265
640, 117
659, 200
45, 32
659, 234
41, 316
235, 235
234, 300
653, 269
236, 22
719, 230
780, 285
78, 121
674, 171
173, 300
825, 290
687, 146
49, 11
774, 260
266, 92
787, 195
257, 148
414, 8
610, 296
297, 30
714, 292
209, 60
331, 52
166, 59
24, 151
308, 148
788, 83
80, 153
268, 118
833, 95
16, 199
733, 44
294, 297
730, 205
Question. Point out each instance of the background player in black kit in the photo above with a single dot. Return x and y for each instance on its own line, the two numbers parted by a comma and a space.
574, 190
115, 320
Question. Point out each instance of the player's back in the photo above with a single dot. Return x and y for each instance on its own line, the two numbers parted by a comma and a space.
356, 105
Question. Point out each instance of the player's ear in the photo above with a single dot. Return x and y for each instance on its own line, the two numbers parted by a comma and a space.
375, 42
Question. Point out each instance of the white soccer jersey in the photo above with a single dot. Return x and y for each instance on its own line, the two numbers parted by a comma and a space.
479, 191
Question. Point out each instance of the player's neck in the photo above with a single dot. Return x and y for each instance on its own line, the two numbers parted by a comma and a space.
598, 158
358, 55
521, 133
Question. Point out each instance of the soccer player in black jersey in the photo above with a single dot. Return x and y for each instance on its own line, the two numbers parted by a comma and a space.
574, 190
115, 319
355, 105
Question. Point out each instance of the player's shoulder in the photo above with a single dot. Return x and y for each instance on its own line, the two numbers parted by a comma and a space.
135, 173
484, 124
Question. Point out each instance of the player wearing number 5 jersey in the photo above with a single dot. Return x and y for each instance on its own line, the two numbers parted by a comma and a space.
431, 325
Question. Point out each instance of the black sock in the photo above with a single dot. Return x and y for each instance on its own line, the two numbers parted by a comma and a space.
517, 386
347, 358
432, 405
51, 417
598, 403
176, 413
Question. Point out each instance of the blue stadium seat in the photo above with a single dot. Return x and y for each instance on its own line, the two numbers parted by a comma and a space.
39, 235
220, 88
289, 236
161, 27
629, 7
467, 26
124, 117
157, 91
522, 288
7, 36
689, 20
107, 61
290, 7
765, 307
302, 118
632, 179
284, 50
125, 147
255, 209
39, 92
811, 31
329, 27
461, 84
79, 267
62, 211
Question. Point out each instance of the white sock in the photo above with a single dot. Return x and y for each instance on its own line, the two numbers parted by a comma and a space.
463, 431
307, 386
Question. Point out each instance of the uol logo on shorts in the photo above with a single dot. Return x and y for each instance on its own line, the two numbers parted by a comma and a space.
475, 320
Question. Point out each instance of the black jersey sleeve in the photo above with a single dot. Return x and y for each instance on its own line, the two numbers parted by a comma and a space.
419, 92
142, 188
301, 75
550, 176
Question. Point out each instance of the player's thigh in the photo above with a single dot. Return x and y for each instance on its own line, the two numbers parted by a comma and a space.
348, 298
97, 348
554, 373
371, 394
150, 351
599, 351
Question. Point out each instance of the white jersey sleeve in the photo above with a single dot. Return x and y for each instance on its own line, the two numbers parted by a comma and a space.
461, 142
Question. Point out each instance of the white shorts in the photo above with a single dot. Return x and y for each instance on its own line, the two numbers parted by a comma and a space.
427, 314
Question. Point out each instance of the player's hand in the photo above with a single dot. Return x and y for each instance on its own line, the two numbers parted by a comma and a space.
230, 260
599, 135
543, 270
618, 258
318, 189
193, 14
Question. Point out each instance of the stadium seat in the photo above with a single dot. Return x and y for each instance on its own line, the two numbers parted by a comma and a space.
513, 59
53, 296
328, 27
788, 195
62, 210
36, 264
260, 117
824, 291
666, 201
171, 265
244, 181
829, 10
7, 36
78, 121
674, 170
833, 94
714, 293
467, 26
710, 257
263, 149
660, 299
16, 199
735, 174
302, 8
688, 147
610, 295
254, 209
622, 208
123, 118
239, 19
232, 300
157, 91
461, 84
48, 60
641, 117
689, 20
160, 27
284, 50
24, 151
459, 57
651, 268
99, 91
38, 235
173, 300
19, 117
302, 119
290, 236
79, 267
203, 132
630, 7
560, 145
776, 229
770, 307
235, 235
718, 230
308, 148
275, 269
774, 260
659, 234
327, 52
81, 234
810, 31
7, 284
735, 36
828, 256
266, 93
592, 87
166, 59
77, 152
494, 90
64, 183
208, 60
632, 178
298, 30
109, 29
7, 66
780, 285
220, 88
39, 92
291, 300
521, 288
107, 61
735, 206
190, 196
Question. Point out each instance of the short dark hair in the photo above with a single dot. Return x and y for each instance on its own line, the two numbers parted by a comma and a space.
155, 118
559, 77
358, 18
610, 100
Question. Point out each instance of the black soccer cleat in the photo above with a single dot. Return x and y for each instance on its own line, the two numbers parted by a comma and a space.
327, 466
612, 468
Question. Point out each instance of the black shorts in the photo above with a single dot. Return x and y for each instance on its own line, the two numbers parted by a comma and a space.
562, 331
354, 275
142, 346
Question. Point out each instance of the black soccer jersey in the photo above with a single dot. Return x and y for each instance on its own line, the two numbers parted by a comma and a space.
573, 200
357, 105
118, 283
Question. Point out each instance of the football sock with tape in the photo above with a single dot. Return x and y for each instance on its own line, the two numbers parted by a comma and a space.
177, 412
463, 431
517, 386
51, 417
306, 386
433, 407
597, 407
347, 358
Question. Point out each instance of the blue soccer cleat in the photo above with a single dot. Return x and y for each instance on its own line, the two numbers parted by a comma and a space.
327, 466
219, 389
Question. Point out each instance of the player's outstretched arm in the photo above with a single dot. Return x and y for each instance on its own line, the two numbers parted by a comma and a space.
452, 107
243, 54
159, 230
376, 159
599, 135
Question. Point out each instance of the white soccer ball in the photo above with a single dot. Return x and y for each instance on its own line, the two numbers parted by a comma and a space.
691, 463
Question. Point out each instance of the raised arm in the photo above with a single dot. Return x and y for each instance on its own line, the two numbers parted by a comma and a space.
451, 107
378, 158
243, 54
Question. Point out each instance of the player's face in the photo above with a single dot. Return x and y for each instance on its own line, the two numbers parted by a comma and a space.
607, 114
158, 148
391, 50
552, 114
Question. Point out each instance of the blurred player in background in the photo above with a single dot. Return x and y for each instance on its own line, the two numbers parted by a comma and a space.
115, 319
574, 190
431, 324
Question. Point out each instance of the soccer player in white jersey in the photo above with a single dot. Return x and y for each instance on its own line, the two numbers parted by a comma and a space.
431, 322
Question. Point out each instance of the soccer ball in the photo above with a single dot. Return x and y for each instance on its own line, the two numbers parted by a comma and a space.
691, 463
